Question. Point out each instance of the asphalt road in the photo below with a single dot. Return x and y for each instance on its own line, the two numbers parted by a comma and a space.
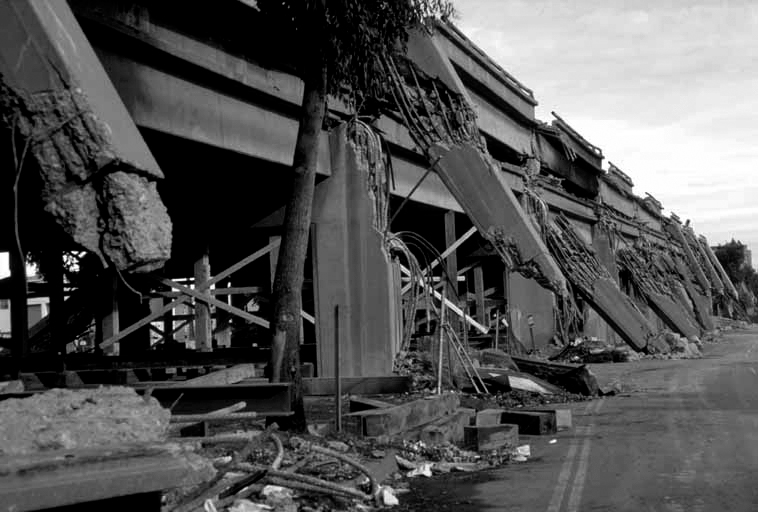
683, 436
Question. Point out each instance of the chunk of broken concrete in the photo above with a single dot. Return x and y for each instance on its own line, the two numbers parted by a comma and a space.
531, 423
491, 437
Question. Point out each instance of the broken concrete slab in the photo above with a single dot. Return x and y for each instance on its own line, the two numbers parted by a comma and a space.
400, 418
531, 423
491, 437
97, 176
505, 380
448, 429
489, 417
573, 378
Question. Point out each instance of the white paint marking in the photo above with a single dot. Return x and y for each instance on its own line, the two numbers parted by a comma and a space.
581, 472
752, 370
565, 475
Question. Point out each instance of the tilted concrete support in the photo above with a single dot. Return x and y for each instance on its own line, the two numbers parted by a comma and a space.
476, 183
717, 286
352, 270
675, 230
98, 177
594, 325
728, 285
701, 304
495, 211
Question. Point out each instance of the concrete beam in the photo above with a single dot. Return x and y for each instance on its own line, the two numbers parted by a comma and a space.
176, 106
473, 62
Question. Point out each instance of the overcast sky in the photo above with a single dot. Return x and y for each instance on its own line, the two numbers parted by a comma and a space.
667, 89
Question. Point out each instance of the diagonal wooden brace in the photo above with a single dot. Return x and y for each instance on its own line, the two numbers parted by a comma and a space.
181, 300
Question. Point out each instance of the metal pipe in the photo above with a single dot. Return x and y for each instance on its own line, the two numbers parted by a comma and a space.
440, 328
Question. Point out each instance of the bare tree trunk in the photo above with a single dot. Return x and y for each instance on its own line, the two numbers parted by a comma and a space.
288, 282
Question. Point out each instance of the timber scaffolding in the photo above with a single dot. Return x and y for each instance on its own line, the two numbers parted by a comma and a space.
456, 194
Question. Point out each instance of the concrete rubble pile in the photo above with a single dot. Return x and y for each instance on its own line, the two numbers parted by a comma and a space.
74, 419
96, 176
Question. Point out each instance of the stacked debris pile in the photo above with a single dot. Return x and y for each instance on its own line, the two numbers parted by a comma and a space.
593, 351
85, 418
419, 366
669, 345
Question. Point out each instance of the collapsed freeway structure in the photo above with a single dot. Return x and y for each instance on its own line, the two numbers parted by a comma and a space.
161, 149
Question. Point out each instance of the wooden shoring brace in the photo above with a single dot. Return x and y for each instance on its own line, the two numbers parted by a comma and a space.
452, 307
181, 300
443, 256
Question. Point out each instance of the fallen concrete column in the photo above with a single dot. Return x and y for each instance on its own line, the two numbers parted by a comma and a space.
717, 285
675, 230
640, 264
700, 302
488, 201
444, 126
728, 285
596, 286
98, 177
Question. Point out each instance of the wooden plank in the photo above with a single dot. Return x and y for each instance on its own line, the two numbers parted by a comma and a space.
168, 324
203, 322
450, 250
214, 302
404, 417
239, 290
449, 305
390, 384
479, 291
223, 329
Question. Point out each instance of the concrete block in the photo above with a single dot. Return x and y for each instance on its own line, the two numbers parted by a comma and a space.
489, 417
491, 437
532, 423
448, 428
401, 418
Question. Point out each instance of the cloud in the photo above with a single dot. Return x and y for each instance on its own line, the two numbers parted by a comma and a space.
665, 87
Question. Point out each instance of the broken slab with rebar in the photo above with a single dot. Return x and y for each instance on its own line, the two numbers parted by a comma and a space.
98, 178
400, 418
